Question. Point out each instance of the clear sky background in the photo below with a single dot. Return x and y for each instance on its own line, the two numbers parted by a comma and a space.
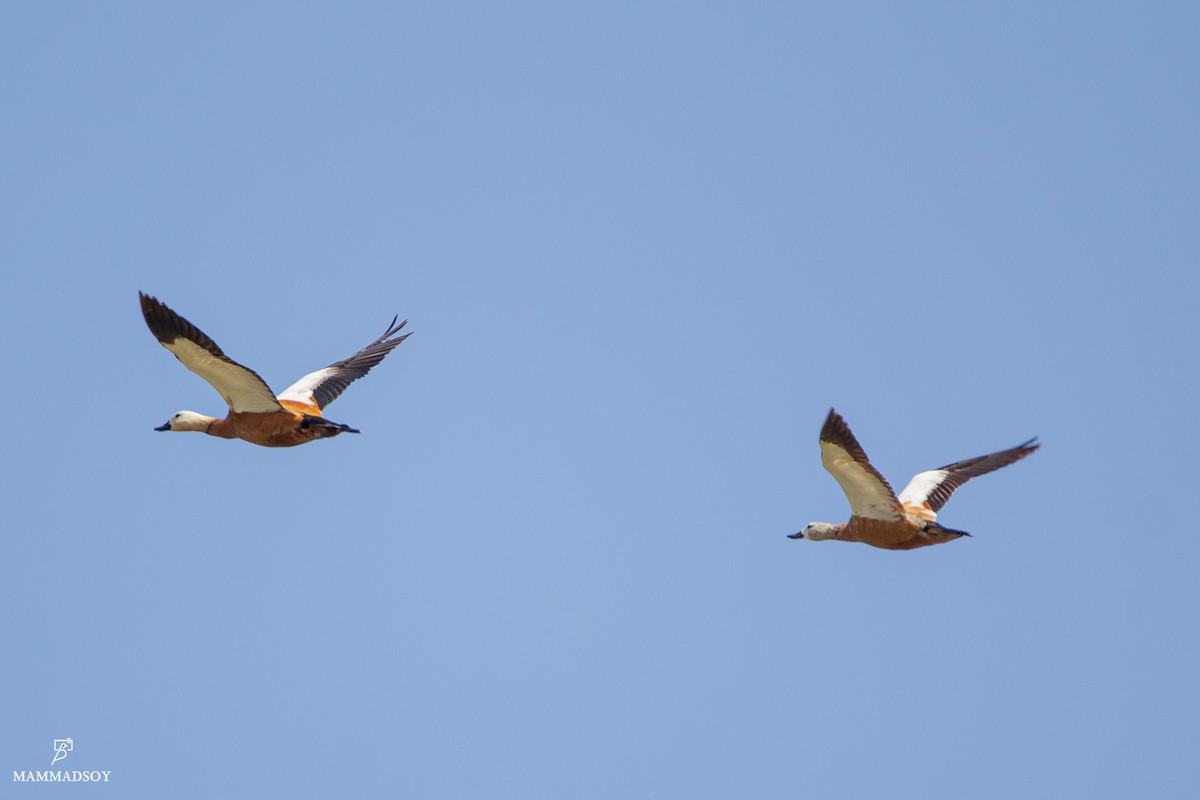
643, 249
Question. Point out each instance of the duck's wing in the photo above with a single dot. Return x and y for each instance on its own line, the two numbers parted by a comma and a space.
934, 487
242, 388
869, 493
322, 387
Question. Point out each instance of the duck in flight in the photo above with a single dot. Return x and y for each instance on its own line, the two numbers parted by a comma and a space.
877, 516
256, 414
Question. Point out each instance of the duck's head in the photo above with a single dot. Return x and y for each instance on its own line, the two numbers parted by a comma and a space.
186, 421
817, 531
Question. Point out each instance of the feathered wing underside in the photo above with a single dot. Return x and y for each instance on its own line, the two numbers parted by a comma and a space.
935, 486
325, 385
869, 493
241, 388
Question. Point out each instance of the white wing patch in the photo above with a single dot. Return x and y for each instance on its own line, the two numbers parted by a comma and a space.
922, 485
869, 497
302, 390
242, 389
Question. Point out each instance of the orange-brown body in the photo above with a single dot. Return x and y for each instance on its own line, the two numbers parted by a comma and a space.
904, 534
285, 428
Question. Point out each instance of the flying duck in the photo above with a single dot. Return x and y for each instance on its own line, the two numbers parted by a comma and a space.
256, 414
877, 516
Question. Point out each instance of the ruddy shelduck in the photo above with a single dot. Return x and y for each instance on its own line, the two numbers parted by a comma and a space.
256, 414
877, 516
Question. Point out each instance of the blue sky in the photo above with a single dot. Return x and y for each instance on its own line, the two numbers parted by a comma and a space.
643, 248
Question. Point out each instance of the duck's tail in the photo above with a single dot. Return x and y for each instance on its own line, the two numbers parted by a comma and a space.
942, 530
323, 428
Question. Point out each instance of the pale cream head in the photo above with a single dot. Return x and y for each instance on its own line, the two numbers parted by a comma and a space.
187, 421
818, 531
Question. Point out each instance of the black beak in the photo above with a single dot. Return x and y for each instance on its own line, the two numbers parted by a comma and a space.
166, 426
799, 535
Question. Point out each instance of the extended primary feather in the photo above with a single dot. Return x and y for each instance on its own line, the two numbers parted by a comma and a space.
869, 493
325, 385
241, 388
935, 486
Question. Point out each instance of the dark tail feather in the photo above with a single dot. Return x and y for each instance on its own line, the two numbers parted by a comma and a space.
323, 428
943, 530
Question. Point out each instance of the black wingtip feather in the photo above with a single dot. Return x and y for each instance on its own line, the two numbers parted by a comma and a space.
356, 366
167, 326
